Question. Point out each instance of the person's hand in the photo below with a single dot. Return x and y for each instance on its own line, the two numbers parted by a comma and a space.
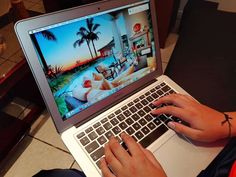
139, 162
205, 123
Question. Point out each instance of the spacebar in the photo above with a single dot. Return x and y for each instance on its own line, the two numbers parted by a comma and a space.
153, 136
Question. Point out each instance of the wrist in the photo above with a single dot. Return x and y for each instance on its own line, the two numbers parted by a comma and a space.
230, 118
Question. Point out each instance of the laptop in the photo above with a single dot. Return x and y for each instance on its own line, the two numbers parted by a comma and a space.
98, 68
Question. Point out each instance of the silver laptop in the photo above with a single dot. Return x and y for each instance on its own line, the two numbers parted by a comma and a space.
98, 68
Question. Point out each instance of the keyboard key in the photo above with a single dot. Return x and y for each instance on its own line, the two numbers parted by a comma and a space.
159, 92
104, 120
116, 130
152, 106
147, 93
144, 102
130, 130
135, 117
166, 88
107, 125
97, 154
141, 113
142, 122
157, 121
138, 105
117, 111
111, 116
176, 119
130, 104
148, 117
157, 87
171, 92
149, 98
100, 130
152, 90
96, 125
123, 125
114, 121
163, 117
91, 147
92, 135
121, 117
102, 140
155, 96
84, 141
133, 109
145, 130
129, 121
142, 97
109, 134
147, 109
153, 135
151, 126
136, 100
139, 135
124, 108
127, 113
163, 84
136, 126
80, 135
88, 129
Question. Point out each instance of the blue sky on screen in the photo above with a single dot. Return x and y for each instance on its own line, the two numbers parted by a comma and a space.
62, 51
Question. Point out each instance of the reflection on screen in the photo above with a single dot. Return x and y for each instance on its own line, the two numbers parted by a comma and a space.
88, 59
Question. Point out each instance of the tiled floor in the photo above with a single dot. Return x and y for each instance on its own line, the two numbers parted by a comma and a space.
42, 148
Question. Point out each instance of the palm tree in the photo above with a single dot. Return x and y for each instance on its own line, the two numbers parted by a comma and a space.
83, 38
92, 35
49, 36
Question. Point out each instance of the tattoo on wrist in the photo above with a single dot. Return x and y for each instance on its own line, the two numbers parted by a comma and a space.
227, 119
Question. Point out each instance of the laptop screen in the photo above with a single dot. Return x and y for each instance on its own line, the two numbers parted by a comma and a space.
85, 60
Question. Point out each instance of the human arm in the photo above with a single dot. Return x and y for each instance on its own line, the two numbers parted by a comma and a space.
205, 123
139, 162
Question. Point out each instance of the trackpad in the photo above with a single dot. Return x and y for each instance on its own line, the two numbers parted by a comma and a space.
180, 158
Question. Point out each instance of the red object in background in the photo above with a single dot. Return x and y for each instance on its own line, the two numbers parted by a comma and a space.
137, 27
233, 170
87, 84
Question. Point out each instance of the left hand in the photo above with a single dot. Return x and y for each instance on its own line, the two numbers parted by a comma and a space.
139, 163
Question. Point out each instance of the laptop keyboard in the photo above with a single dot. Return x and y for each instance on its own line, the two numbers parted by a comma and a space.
134, 118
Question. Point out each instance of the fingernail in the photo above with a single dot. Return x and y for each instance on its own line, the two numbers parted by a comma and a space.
123, 134
171, 125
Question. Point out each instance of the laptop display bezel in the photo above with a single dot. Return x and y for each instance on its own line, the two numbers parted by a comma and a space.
22, 29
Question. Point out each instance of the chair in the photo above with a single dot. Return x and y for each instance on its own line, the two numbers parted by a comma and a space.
122, 61
108, 73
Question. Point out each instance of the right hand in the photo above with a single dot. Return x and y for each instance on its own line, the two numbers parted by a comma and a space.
205, 123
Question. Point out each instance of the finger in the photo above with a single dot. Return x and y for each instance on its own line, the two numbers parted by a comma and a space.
181, 113
131, 144
187, 131
119, 152
106, 172
176, 99
111, 160
150, 156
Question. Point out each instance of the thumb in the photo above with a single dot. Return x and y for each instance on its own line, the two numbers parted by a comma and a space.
185, 130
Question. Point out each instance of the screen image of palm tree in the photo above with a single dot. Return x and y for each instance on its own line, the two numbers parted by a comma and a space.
88, 34
49, 36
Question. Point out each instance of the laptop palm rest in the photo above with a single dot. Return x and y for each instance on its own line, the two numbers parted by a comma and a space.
180, 158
